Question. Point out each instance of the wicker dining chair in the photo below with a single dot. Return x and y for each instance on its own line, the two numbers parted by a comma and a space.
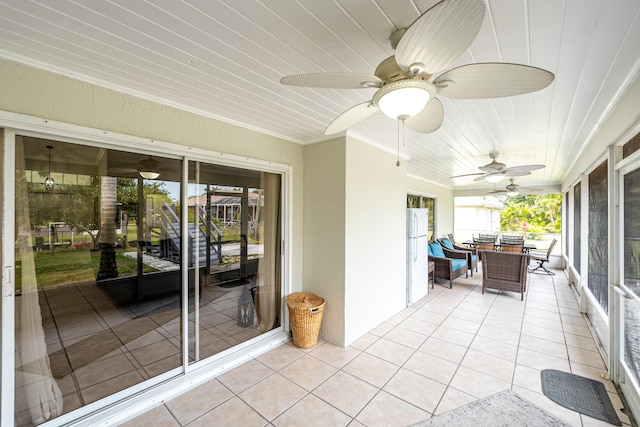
505, 271
484, 245
511, 239
487, 236
517, 248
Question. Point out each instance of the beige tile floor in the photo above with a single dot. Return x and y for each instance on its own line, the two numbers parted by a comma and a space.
451, 348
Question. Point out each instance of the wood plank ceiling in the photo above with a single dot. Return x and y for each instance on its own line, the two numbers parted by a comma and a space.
224, 59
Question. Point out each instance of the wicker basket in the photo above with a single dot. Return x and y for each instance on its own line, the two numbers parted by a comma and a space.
305, 317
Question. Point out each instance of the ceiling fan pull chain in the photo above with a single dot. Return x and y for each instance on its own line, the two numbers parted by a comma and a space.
401, 132
399, 136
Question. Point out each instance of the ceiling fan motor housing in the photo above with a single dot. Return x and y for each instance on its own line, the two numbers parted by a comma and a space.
389, 71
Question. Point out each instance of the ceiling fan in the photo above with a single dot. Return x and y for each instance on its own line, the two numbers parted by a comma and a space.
432, 43
514, 189
494, 171
147, 168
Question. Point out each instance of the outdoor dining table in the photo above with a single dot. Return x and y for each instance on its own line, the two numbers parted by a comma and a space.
525, 248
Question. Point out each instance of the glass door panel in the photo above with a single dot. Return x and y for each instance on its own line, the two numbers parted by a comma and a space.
97, 305
234, 251
630, 328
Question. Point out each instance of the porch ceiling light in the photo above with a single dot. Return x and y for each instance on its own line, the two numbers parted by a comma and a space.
494, 178
403, 99
512, 193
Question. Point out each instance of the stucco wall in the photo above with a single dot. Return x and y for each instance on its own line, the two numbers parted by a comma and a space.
375, 276
324, 232
355, 237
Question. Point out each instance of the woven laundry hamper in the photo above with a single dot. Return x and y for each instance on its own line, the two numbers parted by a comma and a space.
305, 317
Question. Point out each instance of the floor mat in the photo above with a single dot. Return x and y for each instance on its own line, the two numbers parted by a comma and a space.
501, 409
580, 394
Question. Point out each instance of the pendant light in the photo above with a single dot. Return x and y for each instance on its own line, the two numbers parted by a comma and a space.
49, 183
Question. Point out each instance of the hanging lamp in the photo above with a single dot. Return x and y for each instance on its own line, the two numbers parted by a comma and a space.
49, 183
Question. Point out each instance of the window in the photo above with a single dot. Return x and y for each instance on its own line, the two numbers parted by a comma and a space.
414, 201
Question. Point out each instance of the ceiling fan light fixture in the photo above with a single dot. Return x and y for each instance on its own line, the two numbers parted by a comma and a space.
149, 174
513, 193
403, 99
149, 168
494, 179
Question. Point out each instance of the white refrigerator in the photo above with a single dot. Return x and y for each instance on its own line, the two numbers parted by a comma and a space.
417, 262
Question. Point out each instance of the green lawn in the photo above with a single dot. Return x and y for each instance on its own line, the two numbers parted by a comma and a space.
70, 266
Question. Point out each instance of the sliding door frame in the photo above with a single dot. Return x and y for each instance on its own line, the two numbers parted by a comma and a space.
143, 396
630, 388
7, 309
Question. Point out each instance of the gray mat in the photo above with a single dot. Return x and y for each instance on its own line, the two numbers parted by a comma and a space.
580, 394
505, 409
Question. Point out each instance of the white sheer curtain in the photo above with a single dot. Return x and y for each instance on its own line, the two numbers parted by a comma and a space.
268, 289
35, 386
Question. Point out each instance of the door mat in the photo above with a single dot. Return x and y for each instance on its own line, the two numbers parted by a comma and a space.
501, 409
580, 394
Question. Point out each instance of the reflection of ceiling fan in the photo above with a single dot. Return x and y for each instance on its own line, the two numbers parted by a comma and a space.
147, 168
514, 189
432, 43
495, 171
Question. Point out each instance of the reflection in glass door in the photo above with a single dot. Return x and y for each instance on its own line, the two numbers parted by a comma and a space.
234, 248
97, 300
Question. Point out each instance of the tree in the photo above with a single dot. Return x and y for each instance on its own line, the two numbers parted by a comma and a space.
533, 213
108, 196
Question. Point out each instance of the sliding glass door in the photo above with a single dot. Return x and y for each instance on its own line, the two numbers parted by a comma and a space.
234, 234
97, 308
125, 269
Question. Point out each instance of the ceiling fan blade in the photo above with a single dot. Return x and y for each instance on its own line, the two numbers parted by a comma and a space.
496, 192
429, 119
483, 176
507, 172
350, 117
503, 173
333, 80
440, 35
468, 174
522, 168
491, 80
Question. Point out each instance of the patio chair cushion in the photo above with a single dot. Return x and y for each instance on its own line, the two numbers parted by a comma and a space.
447, 243
436, 250
457, 264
